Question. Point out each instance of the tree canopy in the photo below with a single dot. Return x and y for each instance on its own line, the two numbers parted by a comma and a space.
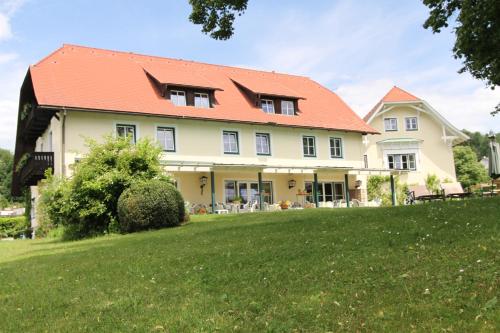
469, 170
477, 31
217, 16
6, 160
479, 142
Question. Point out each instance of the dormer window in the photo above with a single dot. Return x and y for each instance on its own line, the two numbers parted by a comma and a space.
287, 108
267, 105
201, 100
178, 97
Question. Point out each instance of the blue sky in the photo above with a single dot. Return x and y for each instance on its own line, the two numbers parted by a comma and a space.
359, 49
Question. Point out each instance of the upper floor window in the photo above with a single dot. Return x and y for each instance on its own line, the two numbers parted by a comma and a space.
124, 130
309, 146
178, 97
287, 108
401, 161
267, 105
411, 123
391, 124
201, 100
263, 144
336, 147
230, 141
166, 138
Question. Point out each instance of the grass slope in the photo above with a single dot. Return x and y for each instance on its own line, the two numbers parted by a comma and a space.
431, 267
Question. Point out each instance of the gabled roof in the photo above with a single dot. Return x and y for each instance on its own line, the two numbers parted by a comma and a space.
96, 79
396, 94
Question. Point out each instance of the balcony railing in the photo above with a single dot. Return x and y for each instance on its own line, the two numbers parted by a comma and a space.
35, 167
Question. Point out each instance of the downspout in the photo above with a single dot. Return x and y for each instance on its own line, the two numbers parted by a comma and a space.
63, 141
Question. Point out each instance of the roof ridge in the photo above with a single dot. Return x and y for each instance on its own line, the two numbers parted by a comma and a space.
49, 55
403, 90
179, 60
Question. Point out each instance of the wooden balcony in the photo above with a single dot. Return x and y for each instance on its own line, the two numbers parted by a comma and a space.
35, 167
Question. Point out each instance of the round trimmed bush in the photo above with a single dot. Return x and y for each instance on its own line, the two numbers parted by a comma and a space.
150, 204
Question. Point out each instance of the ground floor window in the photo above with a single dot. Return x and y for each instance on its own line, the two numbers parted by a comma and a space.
247, 191
327, 191
401, 161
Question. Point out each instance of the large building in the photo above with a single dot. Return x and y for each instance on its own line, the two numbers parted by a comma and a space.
226, 132
413, 138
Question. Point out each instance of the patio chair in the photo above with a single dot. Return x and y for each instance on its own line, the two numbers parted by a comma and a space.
220, 208
454, 191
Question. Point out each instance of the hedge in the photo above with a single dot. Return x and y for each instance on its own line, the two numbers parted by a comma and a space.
13, 226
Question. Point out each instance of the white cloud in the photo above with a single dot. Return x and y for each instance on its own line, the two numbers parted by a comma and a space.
11, 74
5, 30
360, 50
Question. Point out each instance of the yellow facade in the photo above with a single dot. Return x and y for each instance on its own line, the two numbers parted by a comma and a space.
432, 143
199, 150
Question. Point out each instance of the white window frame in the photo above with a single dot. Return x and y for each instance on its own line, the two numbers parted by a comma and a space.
265, 103
398, 162
308, 146
178, 93
408, 121
202, 96
390, 120
285, 110
268, 144
173, 129
340, 147
237, 152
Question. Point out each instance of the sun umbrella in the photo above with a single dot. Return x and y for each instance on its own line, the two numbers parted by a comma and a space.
494, 156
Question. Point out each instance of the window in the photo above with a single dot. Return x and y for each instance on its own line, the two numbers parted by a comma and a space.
309, 145
267, 105
411, 123
328, 191
336, 147
124, 131
166, 138
287, 108
401, 161
263, 144
391, 124
248, 191
201, 100
230, 140
178, 98
365, 160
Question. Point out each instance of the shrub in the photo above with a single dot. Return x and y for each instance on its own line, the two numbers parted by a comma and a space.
86, 204
378, 187
432, 184
151, 204
14, 226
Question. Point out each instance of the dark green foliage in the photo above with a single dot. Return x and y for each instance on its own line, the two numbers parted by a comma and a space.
6, 160
151, 204
217, 16
477, 31
469, 171
15, 226
86, 204
421, 268
479, 143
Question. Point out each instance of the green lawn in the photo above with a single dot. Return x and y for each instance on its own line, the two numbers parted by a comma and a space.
432, 267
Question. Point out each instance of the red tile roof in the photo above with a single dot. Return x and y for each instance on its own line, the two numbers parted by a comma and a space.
97, 79
396, 94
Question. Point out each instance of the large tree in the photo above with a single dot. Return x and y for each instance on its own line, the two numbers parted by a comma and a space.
217, 16
477, 29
